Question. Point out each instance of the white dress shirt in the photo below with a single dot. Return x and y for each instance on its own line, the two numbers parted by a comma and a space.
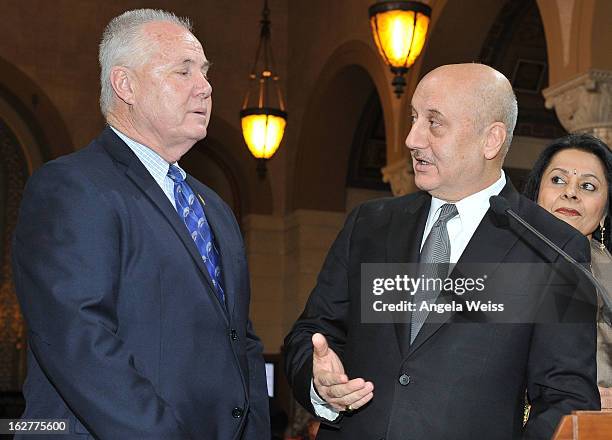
460, 228
471, 211
154, 163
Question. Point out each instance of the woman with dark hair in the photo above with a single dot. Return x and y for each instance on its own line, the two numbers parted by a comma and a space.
572, 179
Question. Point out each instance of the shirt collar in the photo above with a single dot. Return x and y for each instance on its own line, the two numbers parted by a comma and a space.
153, 162
473, 207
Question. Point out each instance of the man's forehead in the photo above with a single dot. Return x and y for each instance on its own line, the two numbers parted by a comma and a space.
170, 37
429, 98
435, 84
441, 93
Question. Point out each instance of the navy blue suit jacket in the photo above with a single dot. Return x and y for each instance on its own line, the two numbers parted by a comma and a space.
127, 339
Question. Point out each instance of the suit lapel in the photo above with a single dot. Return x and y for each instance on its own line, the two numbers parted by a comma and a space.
405, 248
490, 244
137, 172
222, 233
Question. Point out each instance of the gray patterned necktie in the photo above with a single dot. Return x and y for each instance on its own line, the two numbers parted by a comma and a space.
436, 256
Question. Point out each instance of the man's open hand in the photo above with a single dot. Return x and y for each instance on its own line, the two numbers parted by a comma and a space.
330, 381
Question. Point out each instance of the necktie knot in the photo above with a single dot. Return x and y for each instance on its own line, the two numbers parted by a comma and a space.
447, 212
175, 174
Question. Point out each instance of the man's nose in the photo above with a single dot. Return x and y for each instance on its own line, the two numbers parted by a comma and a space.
203, 86
415, 139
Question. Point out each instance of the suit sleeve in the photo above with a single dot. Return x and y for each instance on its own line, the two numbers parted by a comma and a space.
326, 312
562, 367
66, 259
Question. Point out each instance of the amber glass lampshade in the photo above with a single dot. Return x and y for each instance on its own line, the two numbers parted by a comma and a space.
399, 29
263, 116
263, 130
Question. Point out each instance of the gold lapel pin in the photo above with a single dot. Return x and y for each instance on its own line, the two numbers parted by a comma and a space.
202, 200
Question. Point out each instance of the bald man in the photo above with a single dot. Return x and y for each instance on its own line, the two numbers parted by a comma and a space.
434, 376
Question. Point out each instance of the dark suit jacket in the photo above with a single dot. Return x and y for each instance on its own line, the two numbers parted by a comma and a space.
127, 339
460, 381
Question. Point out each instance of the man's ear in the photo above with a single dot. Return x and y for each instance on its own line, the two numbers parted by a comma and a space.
495, 138
123, 82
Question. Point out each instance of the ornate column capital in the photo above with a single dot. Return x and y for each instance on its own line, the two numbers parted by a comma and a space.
584, 103
400, 176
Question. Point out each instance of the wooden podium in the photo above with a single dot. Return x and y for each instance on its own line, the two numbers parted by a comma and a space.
585, 425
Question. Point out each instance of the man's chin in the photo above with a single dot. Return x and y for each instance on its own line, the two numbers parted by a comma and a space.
199, 134
424, 182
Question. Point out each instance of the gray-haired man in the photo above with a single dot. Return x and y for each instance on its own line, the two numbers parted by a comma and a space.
131, 274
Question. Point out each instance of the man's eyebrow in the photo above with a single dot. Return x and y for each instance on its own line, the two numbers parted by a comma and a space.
431, 111
435, 112
205, 65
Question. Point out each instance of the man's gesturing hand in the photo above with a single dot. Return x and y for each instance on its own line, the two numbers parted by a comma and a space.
330, 381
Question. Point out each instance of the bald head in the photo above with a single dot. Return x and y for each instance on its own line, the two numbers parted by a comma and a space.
483, 88
463, 116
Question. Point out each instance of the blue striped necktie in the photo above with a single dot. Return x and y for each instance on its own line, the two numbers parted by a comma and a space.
191, 211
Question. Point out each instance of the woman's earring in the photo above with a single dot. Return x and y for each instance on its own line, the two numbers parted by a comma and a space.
602, 241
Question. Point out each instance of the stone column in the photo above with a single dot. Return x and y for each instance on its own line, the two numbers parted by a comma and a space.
584, 104
285, 255
264, 237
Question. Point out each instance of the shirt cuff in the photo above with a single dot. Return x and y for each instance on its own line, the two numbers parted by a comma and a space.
321, 407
